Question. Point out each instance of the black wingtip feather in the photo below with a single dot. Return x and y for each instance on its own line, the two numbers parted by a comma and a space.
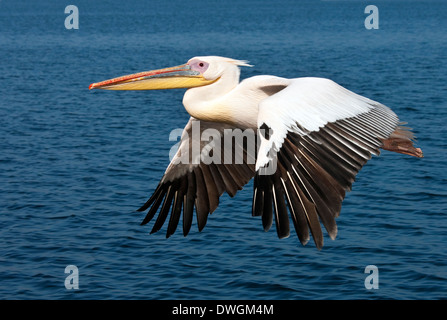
279, 204
164, 210
154, 207
152, 198
175, 214
188, 203
267, 214
177, 207
258, 198
298, 216
202, 202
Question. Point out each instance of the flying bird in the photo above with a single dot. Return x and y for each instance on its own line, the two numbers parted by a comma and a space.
314, 134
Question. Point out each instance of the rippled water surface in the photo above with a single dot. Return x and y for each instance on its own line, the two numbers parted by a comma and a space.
75, 164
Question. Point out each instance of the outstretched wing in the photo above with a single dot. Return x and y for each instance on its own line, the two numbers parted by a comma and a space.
320, 136
192, 181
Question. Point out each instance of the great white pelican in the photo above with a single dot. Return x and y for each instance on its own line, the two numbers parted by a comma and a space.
319, 133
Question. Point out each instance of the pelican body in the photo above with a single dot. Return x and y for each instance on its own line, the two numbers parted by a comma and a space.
316, 132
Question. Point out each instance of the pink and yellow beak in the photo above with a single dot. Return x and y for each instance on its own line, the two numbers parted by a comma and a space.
169, 78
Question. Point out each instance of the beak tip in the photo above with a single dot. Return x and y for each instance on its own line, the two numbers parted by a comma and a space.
90, 87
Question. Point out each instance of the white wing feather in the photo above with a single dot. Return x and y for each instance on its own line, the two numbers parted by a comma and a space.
306, 105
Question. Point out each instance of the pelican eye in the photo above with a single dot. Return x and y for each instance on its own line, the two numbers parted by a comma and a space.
200, 66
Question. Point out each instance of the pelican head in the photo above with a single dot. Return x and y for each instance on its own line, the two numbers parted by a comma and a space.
197, 72
208, 79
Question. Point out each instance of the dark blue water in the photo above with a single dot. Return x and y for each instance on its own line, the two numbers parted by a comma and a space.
75, 164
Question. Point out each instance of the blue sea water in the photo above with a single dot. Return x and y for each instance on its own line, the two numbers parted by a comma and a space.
75, 164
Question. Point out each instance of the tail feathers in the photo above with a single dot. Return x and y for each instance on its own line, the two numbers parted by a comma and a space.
401, 141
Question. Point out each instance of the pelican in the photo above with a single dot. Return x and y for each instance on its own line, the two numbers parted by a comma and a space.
318, 133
